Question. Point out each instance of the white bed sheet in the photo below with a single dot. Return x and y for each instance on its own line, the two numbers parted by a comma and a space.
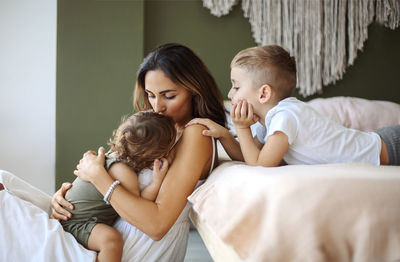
27, 233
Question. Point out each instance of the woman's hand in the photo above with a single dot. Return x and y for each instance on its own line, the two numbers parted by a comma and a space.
90, 165
58, 204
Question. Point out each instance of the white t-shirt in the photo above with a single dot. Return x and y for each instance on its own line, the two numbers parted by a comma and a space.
315, 139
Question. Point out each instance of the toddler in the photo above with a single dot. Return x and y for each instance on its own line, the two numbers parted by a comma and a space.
141, 140
263, 79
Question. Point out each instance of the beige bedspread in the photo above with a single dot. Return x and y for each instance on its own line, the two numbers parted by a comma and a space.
341, 212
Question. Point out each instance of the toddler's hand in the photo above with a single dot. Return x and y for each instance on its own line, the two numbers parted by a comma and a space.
160, 169
215, 130
242, 115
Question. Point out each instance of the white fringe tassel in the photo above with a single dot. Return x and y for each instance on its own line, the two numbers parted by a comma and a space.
314, 31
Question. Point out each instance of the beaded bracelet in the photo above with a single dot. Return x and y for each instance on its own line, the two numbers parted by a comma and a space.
107, 196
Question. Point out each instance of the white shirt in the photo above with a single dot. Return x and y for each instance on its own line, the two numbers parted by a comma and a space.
315, 139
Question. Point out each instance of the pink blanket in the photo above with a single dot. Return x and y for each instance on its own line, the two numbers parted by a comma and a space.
342, 212
358, 113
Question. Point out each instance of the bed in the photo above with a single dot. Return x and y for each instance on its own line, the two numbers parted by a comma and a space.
337, 212
346, 212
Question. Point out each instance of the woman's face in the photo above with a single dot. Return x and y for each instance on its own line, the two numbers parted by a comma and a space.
168, 98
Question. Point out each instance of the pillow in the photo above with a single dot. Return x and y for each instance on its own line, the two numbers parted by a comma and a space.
25, 191
358, 113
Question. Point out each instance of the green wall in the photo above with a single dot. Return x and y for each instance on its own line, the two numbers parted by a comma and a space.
215, 40
100, 45
99, 48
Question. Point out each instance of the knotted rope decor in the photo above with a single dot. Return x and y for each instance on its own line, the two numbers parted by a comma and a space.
323, 35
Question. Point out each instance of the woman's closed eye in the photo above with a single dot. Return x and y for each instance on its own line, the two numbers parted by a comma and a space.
170, 97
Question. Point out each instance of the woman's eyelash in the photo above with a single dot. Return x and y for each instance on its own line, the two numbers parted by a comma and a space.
166, 97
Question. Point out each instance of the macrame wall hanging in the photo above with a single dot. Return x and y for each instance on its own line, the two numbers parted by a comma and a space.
323, 35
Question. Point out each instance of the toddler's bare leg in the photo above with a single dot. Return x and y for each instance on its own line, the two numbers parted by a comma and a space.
107, 241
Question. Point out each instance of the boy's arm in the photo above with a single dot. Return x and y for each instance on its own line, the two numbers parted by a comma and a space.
150, 192
274, 150
257, 142
230, 144
271, 154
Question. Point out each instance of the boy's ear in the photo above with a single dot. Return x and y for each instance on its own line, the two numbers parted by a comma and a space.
264, 93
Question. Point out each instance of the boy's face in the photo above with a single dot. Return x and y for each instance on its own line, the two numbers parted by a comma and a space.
242, 87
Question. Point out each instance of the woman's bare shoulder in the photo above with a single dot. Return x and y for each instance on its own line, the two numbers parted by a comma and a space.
193, 140
194, 133
195, 129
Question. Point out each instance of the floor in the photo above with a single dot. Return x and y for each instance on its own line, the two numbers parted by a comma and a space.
196, 251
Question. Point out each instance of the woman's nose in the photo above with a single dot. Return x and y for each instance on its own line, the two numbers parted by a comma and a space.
159, 107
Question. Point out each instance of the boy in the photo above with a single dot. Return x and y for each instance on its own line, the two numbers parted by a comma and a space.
263, 79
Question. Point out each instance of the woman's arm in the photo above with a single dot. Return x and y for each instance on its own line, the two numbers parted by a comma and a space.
192, 159
120, 171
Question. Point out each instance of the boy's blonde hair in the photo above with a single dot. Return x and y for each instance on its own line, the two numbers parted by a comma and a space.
142, 138
270, 64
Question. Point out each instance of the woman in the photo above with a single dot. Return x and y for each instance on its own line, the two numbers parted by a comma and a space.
172, 81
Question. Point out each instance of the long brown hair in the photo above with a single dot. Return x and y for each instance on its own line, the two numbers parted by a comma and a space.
184, 67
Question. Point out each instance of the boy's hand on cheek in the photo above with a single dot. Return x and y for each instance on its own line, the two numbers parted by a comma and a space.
242, 115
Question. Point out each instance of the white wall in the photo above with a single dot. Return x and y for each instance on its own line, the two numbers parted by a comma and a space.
27, 90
